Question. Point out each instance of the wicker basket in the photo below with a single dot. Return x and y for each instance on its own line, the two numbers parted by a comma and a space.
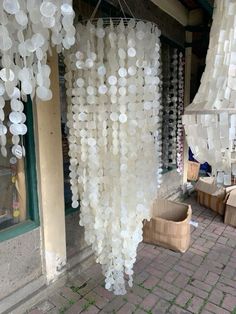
230, 216
230, 211
169, 226
210, 195
215, 203
193, 171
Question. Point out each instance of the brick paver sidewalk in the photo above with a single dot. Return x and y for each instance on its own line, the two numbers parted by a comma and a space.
203, 280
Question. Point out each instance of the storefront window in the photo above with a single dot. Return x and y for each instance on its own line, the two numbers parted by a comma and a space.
18, 185
12, 189
12, 193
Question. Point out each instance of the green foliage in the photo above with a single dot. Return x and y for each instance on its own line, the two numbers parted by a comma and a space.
234, 311
75, 289
88, 304
141, 285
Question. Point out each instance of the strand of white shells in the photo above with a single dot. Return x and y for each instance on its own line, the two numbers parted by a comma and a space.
173, 108
27, 29
170, 108
180, 128
112, 80
158, 139
166, 101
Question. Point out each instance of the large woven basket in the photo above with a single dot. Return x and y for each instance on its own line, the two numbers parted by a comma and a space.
169, 226
215, 203
230, 216
193, 170
230, 212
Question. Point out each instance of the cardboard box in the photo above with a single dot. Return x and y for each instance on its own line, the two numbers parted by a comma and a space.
230, 211
169, 226
193, 171
210, 195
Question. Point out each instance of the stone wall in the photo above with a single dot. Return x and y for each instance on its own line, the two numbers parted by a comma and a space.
172, 182
77, 249
75, 242
20, 261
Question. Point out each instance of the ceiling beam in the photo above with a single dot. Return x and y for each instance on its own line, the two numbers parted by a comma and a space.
169, 27
175, 9
197, 28
195, 17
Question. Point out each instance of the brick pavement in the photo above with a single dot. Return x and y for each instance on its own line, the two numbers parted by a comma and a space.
203, 280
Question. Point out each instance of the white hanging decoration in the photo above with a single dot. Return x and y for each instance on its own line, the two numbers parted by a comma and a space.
166, 101
180, 109
27, 29
158, 139
210, 121
173, 108
112, 80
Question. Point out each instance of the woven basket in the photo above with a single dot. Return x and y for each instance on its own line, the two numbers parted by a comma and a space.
193, 171
169, 226
230, 216
215, 203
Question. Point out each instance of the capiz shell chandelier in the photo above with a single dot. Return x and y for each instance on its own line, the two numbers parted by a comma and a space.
28, 28
112, 80
210, 121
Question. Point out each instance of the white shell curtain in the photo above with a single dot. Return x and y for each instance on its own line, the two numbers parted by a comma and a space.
173, 108
210, 121
173, 103
27, 29
180, 111
112, 80
166, 101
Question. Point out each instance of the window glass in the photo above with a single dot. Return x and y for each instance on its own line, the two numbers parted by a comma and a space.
12, 189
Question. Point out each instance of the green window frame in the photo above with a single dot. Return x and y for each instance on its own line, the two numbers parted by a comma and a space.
32, 220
